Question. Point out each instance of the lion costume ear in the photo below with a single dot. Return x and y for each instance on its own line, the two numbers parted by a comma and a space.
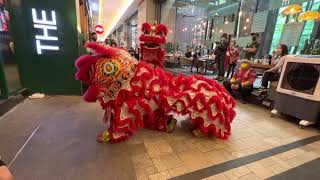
83, 65
162, 28
99, 49
145, 27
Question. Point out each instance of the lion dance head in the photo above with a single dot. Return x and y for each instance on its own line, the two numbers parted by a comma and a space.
106, 72
152, 39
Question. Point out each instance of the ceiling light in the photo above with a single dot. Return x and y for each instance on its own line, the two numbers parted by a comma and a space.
116, 19
247, 20
94, 6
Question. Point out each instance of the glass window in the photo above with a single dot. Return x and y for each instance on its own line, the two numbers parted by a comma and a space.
281, 20
308, 27
263, 5
248, 9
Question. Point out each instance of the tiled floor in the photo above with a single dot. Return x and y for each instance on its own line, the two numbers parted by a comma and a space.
64, 146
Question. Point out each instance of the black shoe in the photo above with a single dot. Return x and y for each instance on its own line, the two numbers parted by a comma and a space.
261, 88
243, 101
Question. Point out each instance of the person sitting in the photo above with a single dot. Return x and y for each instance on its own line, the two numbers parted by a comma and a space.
232, 57
5, 173
242, 81
273, 74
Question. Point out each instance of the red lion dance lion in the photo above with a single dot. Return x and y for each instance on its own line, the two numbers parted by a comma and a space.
135, 95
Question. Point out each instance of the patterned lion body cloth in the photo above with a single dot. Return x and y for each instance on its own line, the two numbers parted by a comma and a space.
135, 95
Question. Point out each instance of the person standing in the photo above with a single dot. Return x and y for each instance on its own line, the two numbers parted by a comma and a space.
107, 42
252, 48
188, 53
220, 53
232, 57
93, 37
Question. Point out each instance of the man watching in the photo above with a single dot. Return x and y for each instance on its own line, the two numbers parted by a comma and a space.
252, 48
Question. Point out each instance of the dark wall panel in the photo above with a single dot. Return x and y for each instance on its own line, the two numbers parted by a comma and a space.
52, 71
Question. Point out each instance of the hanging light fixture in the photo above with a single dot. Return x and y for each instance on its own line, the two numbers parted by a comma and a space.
309, 16
292, 10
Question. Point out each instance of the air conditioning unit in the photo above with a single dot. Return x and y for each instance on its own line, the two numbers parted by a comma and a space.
299, 89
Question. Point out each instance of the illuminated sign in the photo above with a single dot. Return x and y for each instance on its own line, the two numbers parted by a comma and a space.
99, 29
44, 41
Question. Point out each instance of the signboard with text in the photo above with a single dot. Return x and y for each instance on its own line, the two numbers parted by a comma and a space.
46, 41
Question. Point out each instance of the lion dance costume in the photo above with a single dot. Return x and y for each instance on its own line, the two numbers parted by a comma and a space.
135, 95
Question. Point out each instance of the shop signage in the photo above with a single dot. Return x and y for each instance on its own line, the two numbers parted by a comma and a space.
99, 29
44, 25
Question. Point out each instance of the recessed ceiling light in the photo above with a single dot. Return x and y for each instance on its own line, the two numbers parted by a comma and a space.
94, 6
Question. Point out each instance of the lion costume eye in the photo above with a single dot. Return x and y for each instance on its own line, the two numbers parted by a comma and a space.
108, 68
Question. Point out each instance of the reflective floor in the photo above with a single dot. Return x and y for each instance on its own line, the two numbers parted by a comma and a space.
54, 138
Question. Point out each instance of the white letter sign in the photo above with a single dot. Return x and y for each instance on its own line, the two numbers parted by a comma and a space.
45, 25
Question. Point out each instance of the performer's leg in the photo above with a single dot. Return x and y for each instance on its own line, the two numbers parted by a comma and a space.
171, 124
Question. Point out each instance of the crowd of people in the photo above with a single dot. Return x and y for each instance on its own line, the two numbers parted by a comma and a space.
135, 52
226, 55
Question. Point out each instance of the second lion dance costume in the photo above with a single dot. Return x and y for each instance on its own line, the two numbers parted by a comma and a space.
136, 94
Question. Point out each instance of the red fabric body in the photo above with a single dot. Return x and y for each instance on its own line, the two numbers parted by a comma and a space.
155, 94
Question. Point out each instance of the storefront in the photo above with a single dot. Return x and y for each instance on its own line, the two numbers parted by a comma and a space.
40, 42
